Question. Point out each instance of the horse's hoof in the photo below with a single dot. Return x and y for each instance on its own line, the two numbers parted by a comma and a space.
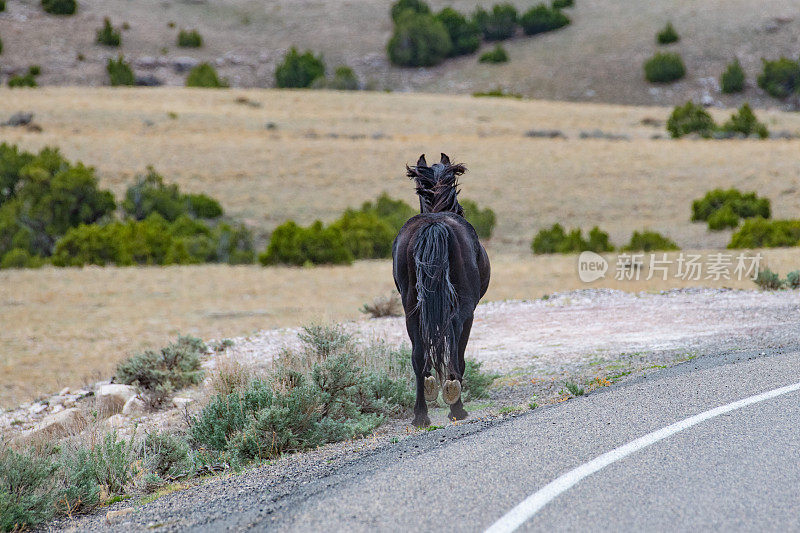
451, 391
431, 389
455, 414
421, 421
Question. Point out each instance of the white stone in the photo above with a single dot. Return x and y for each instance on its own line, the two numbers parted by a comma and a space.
60, 424
56, 408
37, 408
112, 398
64, 391
116, 422
134, 407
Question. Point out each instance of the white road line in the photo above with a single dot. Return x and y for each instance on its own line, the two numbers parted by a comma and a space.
536, 501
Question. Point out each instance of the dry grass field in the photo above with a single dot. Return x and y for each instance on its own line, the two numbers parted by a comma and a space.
328, 151
597, 58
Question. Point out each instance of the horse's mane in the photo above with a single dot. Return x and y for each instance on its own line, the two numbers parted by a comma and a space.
437, 185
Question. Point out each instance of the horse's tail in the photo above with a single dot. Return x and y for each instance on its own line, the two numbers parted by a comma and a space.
436, 297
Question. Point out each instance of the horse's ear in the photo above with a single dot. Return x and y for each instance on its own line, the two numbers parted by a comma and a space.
421, 161
445, 160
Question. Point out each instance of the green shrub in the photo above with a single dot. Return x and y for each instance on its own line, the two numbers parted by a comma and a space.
561, 4
1, 40
419, 40
329, 391
166, 454
190, 39
664, 68
205, 75
24, 80
2, 5
159, 374
556, 240
365, 235
60, 7
415, 6
648, 241
48, 196
690, 118
34, 70
119, 72
723, 208
498, 24
475, 382
723, 218
780, 78
114, 461
745, 122
11, 163
761, 233
151, 195
291, 244
793, 279
465, 35
483, 220
768, 280
203, 206
732, 80
668, 35
299, 70
496, 55
540, 19
344, 79
76, 481
27, 497
108, 35
20, 258
394, 212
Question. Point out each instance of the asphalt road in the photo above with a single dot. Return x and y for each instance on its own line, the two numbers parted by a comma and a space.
736, 471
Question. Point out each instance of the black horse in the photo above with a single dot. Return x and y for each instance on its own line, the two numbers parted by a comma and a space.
441, 271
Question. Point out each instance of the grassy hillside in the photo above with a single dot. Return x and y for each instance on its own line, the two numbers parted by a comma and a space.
597, 58
326, 151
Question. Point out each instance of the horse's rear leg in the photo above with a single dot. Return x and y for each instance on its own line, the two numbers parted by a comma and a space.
457, 411
418, 363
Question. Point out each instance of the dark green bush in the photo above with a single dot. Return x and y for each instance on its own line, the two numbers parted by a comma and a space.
365, 235
723, 208
561, 4
394, 212
648, 241
483, 220
668, 35
732, 80
60, 7
159, 374
690, 118
291, 244
299, 70
415, 6
151, 195
22, 80
205, 75
780, 78
34, 70
664, 68
190, 39
540, 19
496, 55
556, 240
50, 196
12, 160
119, 72
77, 481
476, 383
203, 206
768, 280
498, 24
166, 454
108, 35
2, 5
793, 279
745, 123
419, 40
761, 233
465, 35
344, 79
